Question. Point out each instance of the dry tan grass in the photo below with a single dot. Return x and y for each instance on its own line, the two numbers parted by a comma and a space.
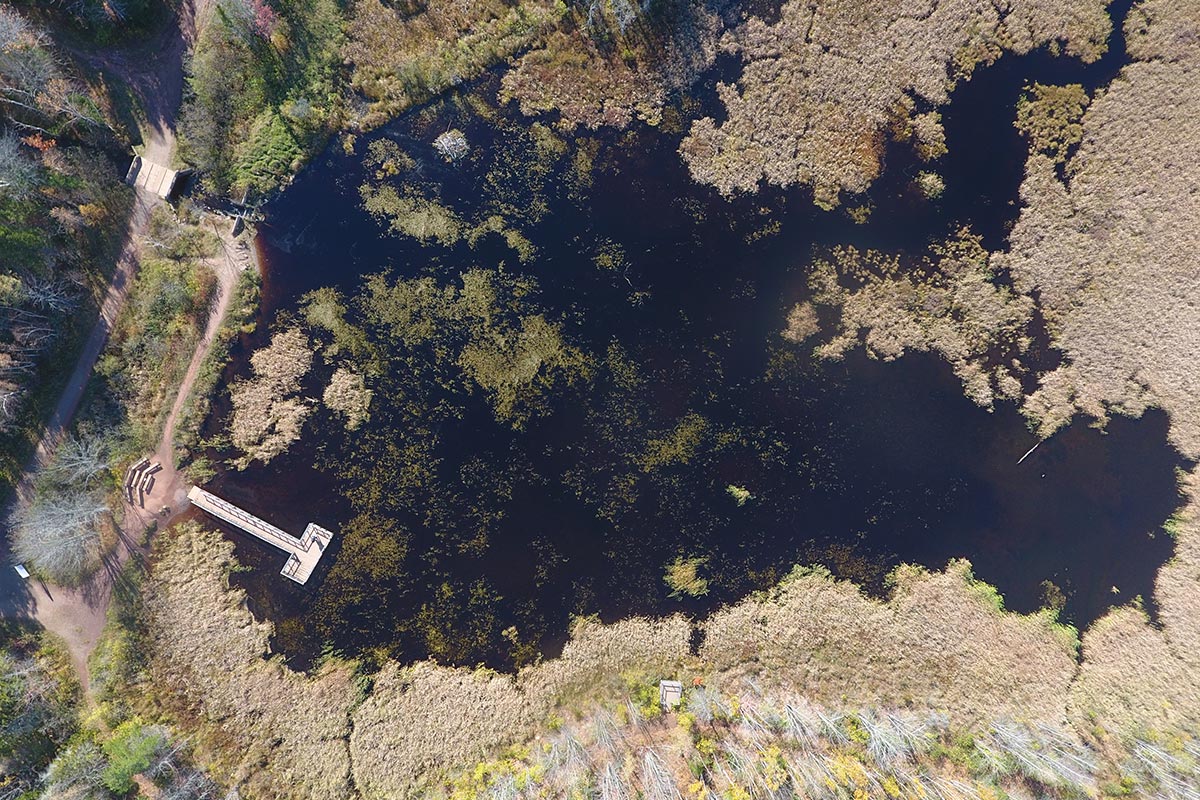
1177, 588
421, 719
1131, 682
1114, 251
1137, 677
421, 722
1163, 29
820, 87
597, 652
939, 643
279, 734
947, 302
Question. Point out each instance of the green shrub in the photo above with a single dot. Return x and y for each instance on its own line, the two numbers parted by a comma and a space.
130, 750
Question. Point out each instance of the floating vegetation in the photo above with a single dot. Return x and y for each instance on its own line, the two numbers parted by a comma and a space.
684, 579
1051, 118
950, 302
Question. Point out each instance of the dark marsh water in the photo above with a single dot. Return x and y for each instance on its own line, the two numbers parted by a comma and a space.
874, 463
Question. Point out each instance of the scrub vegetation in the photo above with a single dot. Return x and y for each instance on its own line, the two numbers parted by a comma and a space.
101, 20
153, 340
262, 91
408, 52
613, 61
937, 692
1110, 248
824, 85
38, 692
53, 745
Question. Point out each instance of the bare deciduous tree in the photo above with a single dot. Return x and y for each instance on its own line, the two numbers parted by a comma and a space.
57, 533
48, 294
34, 90
80, 459
18, 173
11, 396
32, 689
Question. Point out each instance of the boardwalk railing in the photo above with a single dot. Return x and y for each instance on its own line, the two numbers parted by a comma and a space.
304, 552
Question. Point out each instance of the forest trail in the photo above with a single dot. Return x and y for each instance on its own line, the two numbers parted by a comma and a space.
158, 91
233, 259
78, 616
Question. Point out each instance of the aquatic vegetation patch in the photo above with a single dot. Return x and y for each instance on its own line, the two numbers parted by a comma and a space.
1110, 249
423, 219
347, 395
268, 411
517, 168
1049, 116
821, 87
950, 302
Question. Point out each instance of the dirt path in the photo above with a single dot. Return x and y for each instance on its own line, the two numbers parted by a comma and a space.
155, 73
234, 258
110, 309
78, 615
152, 70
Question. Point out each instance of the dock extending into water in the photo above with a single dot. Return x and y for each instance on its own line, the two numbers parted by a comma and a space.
304, 552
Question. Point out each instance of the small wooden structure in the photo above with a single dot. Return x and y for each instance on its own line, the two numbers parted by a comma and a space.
304, 552
140, 478
670, 694
152, 177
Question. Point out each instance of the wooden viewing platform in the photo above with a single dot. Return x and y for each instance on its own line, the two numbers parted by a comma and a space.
304, 552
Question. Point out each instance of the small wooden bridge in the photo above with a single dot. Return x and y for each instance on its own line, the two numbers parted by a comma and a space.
305, 552
152, 177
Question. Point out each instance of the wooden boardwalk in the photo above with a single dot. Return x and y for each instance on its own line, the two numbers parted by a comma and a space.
304, 553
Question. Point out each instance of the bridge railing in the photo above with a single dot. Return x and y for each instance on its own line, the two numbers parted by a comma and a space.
245, 520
